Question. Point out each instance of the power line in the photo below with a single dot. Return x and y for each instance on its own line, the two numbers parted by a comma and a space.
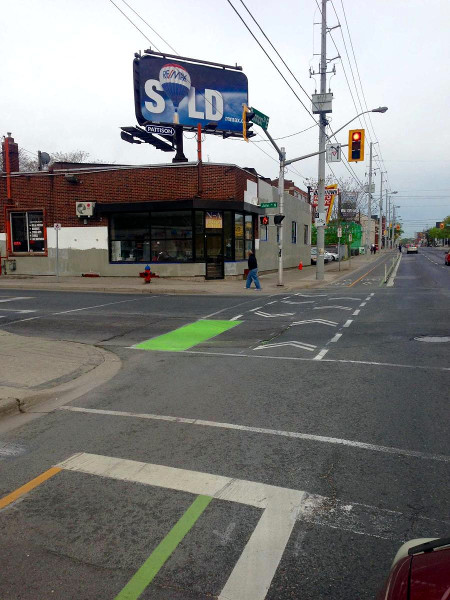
349, 169
278, 54
148, 25
265, 52
134, 25
360, 82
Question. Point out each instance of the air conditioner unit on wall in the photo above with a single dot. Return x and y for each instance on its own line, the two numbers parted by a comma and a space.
84, 209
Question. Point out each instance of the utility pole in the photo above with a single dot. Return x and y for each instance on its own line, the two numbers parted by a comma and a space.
393, 226
386, 242
380, 220
280, 211
369, 207
320, 268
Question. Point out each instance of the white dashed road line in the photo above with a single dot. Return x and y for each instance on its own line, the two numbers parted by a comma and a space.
348, 323
336, 337
321, 354
356, 312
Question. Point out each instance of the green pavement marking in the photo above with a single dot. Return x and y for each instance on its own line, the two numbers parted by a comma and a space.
145, 575
188, 336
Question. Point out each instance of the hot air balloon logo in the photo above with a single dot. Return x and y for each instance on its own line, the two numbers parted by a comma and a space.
176, 82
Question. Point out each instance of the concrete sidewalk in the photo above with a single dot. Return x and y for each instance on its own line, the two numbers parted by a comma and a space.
293, 280
34, 369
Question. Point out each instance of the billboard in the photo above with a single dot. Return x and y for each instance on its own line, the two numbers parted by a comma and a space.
170, 91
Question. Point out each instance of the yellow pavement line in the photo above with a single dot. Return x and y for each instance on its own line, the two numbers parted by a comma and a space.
362, 276
28, 486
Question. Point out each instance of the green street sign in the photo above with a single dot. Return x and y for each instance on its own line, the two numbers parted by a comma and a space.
260, 119
268, 204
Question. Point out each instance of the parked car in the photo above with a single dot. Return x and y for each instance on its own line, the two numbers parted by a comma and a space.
333, 255
447, 258
412, 249
326, 258
420, 571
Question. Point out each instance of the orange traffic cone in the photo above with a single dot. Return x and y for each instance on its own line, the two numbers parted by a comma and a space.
300, 266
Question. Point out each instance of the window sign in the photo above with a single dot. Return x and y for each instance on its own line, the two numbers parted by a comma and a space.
27, 231
213, 220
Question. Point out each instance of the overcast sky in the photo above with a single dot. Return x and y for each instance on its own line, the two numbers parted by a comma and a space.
66, 69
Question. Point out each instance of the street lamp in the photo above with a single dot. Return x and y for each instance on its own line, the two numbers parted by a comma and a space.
320, 189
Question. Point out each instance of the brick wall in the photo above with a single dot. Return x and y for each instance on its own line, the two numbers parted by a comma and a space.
52, 192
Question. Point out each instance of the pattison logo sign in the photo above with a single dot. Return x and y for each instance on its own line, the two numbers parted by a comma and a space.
169, 91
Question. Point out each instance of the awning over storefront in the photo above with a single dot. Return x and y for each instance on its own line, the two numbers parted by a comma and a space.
191, 203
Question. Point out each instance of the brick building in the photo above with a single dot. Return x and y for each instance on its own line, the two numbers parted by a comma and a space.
188, 219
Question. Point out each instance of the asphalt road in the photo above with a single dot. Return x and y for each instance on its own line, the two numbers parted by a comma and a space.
317, 422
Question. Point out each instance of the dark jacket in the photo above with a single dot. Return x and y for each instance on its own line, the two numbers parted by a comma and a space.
252, 263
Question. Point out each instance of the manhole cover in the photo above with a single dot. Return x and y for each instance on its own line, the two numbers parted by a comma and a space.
433, 338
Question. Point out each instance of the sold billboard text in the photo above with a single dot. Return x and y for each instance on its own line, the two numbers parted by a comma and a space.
168, 92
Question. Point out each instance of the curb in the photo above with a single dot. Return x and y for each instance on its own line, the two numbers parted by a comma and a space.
66, 392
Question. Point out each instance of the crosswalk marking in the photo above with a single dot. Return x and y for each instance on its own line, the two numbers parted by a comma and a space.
339, 307
268, 315
320, 321
295, 344
16, 298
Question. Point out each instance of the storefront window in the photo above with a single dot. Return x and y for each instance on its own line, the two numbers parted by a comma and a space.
199, 235
239, 236
130, 237
171, 234
27, 231
248, 227
228, 234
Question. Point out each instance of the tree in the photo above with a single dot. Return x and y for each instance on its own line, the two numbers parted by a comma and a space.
28, 161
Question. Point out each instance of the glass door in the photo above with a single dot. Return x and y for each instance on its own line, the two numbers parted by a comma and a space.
214, 255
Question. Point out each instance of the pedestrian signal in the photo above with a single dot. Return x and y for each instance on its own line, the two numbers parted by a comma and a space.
264, 220
355, 145
278, 219
441, 225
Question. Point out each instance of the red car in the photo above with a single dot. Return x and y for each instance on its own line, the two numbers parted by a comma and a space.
447, 258
420, 571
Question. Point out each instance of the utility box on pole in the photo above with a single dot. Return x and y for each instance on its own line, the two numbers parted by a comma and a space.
321, 103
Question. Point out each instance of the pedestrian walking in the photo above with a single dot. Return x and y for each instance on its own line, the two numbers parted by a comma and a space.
252, 271
371, 248
400, 248
374, 248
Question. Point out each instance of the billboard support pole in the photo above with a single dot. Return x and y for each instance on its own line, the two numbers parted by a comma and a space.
199, 142
179, 156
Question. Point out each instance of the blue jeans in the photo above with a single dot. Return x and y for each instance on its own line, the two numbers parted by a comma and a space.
253, 276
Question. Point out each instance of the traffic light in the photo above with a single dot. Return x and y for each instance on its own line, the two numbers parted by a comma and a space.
277, 219
441, 225
397, 227
355, 145
247, 116
264, 220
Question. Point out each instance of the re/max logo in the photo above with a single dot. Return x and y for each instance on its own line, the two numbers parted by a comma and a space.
174, 74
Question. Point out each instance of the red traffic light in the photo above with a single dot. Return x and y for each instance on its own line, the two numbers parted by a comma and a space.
264, 220
356, 136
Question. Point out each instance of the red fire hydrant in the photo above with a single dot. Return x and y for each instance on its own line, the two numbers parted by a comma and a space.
148, 274
300, 266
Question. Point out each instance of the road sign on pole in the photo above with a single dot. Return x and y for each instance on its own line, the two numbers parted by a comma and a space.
268, 204
260, 119
333, 153
339, 232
